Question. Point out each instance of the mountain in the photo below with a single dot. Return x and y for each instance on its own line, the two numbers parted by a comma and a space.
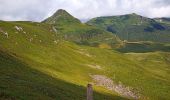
73, 30
61, 17
133, 28
37, 63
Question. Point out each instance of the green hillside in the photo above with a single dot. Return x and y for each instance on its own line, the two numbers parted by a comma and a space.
37, 65
133, 27
21, 81
38, 61
72, 29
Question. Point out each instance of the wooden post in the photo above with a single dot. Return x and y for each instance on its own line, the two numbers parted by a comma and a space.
89, 92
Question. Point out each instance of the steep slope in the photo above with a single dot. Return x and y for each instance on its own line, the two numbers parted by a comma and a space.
133, 27
21, 81
36, 64
73, 30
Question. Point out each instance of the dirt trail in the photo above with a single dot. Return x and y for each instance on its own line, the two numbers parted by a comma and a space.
108, 83
83, 52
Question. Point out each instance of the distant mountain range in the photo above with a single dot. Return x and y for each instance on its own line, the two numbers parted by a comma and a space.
113, 31
133, 27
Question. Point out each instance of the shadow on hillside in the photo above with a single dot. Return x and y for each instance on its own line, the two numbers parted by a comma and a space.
18, 81
143, 48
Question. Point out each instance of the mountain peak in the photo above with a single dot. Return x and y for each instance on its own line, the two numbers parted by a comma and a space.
61, 16
61, 12
134, 15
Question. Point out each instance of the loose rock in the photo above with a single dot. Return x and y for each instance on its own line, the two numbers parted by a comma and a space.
121, 89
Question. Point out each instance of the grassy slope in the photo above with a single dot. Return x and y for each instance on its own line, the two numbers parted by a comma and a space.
46, 68
87, 35
22, 82
60, 63
147, 72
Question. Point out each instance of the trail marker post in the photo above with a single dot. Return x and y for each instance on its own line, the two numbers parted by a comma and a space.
89, 92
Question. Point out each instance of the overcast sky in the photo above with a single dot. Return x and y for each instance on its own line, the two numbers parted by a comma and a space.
37, 10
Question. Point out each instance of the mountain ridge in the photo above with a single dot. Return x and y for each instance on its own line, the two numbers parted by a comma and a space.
132, 27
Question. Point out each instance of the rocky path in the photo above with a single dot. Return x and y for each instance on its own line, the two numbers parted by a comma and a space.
108, 83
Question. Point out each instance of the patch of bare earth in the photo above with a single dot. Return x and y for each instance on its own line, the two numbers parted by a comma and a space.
101, 80
95, 66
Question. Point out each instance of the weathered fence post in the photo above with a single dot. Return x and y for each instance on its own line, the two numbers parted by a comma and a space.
89, 92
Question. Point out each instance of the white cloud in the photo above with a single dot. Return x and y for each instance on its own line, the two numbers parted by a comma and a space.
37, 10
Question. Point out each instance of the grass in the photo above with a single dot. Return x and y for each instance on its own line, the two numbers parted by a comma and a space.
49, 70
22, 82
147, 72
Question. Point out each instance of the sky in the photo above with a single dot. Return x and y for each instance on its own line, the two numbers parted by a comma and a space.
38, 10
